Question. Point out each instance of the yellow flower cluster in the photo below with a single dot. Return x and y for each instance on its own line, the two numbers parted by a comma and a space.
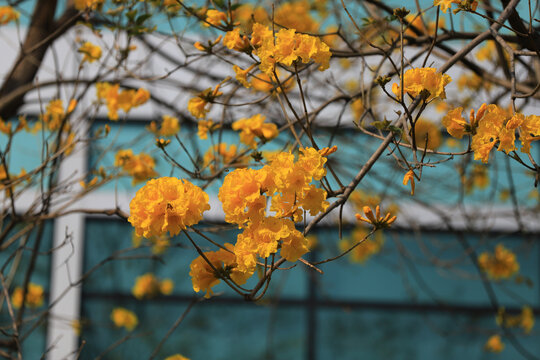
116, 99
255, 127
244, 196
169, 126
54, 114
167, 204
90, 51
34, 296
235, 41
473, 82
159, 243
287, 47
296, 15
140, 167
148, 286
493, 124
6, 127
214, 17
222, 154
368, 247
204, 276
7, 14
502, 264
205, 126
241, 75
176, 357
423, 80
494, 344
447, 4
376, 219
426, 134
8, 185
477, 179
525, 320
122, 317
88, 4
197, 105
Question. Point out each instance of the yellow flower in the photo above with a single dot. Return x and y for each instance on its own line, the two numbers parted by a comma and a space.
140, 97
125, 100
214, 17
296, 15
34, 296
167, 204
376, 220
241, 75
447, 4
409, 176
221, 154
197, 107
233, 40
204, 277
54, 114
262, 239
7, 14
529, 131
486, 52
255, 127
494, 344
427, 134
455, 124
478, 179
419, 80
176, 356
90, 51
265, 83
140, 167
159, 243
122, 317
367, 248
287, 47
204, 126
357, 107
489, 123
502, 264
241, 195
170, 126
527, 319
77, 326
148, 286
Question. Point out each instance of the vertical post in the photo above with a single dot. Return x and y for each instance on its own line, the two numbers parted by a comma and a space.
66, 265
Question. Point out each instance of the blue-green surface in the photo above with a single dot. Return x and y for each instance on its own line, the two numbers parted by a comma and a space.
210, 331
16, 259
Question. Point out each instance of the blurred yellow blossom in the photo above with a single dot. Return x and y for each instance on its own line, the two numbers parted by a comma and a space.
122, 317
494, 344
148, 286
140, 167
215, 18
502, 264
90, 51
176, 357
366, 249
34, 296
7, 14
255, 127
